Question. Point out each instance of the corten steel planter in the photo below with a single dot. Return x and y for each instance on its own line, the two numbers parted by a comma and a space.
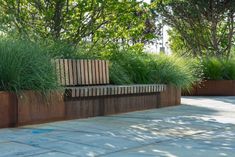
35, 107
8, 109
170, 97
214, 88
30, 107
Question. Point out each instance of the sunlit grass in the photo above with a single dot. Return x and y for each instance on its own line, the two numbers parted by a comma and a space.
25, 66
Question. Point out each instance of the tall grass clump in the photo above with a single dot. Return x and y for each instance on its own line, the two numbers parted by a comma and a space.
174, 70
218, 68
25, 66
128, 67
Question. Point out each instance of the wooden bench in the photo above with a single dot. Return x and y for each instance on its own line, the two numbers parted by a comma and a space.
88, 92
87, 78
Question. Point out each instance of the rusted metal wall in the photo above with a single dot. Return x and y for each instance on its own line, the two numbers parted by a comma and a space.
35, 107
213, 88
8, 109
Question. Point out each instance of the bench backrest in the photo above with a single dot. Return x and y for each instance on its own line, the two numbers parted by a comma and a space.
82, 72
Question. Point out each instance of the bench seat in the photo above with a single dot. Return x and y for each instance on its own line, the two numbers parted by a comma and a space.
105, 90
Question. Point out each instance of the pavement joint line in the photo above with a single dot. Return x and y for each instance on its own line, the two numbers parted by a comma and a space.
81, 131
8, 141
37, 153
66, 140
48, 149
58, 140
51, 152
93, 132
131, 148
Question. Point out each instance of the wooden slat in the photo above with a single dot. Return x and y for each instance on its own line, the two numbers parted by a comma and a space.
116, 90
78, 93
81, 92
86, 73
74, 71
66, 71
86, 91
62, 72
78, 70
107, 72
105, 90
102, 91
97, 72
91, 91
93, 72
82, 72
58, 72
155, 88
89, 64
70, 69
128, 89
73, 91
142, 89
111, 91
104, 81
134, 89
100, 72
119, 90
125, 91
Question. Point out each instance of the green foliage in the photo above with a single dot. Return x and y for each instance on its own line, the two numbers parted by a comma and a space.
25, 66
129, 67
201, 27
219, 69
76, 21
181, 72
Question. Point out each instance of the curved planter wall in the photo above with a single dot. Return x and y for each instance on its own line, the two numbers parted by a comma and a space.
33, 107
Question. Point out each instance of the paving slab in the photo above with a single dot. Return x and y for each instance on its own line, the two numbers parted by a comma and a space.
201, 126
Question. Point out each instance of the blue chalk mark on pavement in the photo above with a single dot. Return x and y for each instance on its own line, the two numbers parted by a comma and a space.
41, 131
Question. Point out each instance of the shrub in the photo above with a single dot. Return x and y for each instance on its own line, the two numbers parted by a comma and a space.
25, 66
219, 68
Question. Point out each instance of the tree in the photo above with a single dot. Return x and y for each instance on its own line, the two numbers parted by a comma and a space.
76, 21
205, 28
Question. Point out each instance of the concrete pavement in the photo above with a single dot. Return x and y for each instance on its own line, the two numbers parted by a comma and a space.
202, 126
